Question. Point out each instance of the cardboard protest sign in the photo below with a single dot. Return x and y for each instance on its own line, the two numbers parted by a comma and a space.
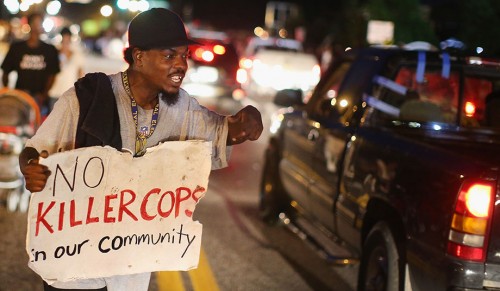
105, 213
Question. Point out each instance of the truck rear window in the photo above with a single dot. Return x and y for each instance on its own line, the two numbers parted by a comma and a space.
436, 97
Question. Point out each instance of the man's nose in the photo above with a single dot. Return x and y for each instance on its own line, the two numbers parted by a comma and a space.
181, 62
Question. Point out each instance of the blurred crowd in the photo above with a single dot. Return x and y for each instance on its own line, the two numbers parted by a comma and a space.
72, 41
37, 65
69, 45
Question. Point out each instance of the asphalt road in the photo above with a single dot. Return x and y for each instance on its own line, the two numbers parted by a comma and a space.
242, 253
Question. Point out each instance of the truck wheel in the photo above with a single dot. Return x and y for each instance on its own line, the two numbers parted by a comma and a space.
270, 191
380, 267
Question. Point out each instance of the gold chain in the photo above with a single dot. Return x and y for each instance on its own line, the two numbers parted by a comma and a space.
140, 136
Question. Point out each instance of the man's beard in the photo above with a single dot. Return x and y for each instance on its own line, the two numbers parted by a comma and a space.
170, 98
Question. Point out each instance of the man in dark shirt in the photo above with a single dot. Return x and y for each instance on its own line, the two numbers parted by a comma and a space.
35, 62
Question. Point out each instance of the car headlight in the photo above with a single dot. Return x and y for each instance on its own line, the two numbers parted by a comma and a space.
203, 74
277, 118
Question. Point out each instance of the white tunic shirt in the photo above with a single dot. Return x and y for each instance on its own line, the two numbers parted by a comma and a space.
185, 120
70, 69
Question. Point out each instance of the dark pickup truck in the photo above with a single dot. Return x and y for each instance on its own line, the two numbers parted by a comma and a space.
396, 155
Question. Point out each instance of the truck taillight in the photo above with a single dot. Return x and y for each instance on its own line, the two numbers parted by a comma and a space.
219, 49
470, 109
470, 223
203, 54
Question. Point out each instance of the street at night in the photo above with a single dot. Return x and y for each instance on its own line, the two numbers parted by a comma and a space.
377, 168
241, 252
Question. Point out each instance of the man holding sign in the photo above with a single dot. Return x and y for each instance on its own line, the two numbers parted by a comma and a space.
132, 111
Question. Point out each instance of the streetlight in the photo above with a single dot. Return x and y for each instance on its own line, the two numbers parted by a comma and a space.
12, 6
133, 5
24, 6
53, 7
106, 10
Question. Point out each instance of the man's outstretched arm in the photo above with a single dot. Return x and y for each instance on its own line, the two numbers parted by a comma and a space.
244, 125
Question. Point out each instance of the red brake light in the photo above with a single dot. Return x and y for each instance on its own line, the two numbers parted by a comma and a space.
198, 53
470, 223
474, 200
219, 49
465, 252
203, 54
477, 200
470, 109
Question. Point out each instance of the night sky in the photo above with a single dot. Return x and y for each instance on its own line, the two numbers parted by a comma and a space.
247, 14
242, 15
222, 14
230, 14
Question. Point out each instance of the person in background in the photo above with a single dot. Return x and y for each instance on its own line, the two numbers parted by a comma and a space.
71, 62
35, 62
132, 111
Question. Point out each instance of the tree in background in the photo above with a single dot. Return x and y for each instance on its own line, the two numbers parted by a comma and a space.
408, 16
476, 23
345, 21
340, 22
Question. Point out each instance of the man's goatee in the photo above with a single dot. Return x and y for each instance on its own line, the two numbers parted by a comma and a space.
170, 98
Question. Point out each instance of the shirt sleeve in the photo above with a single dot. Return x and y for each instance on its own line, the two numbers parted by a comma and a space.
204, 124
9, 62
53, 61
57, 133
79, 60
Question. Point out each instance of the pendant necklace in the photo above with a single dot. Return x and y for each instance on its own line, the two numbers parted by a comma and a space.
141, 136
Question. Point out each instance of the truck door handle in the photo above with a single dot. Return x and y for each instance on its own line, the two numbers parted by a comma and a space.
313, 135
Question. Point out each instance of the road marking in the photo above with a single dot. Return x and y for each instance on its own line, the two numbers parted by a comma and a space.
170, 281
202, 278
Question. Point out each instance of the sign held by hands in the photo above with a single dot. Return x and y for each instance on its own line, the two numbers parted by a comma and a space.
105, 213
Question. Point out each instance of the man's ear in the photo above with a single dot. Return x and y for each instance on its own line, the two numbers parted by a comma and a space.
137, 55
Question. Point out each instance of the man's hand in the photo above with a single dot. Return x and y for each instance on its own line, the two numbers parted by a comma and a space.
244, 125
35, 174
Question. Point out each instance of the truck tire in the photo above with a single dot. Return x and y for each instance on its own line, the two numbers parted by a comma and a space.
270, 190
381, 263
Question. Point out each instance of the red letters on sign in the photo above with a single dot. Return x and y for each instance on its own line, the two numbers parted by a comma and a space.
40, 218
172, 204
123, 206
108, 208
144, 203
115, 207
89, 212
72, 220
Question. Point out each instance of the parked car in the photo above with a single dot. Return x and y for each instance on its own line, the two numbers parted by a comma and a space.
212, 66
272, 64
396, 156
